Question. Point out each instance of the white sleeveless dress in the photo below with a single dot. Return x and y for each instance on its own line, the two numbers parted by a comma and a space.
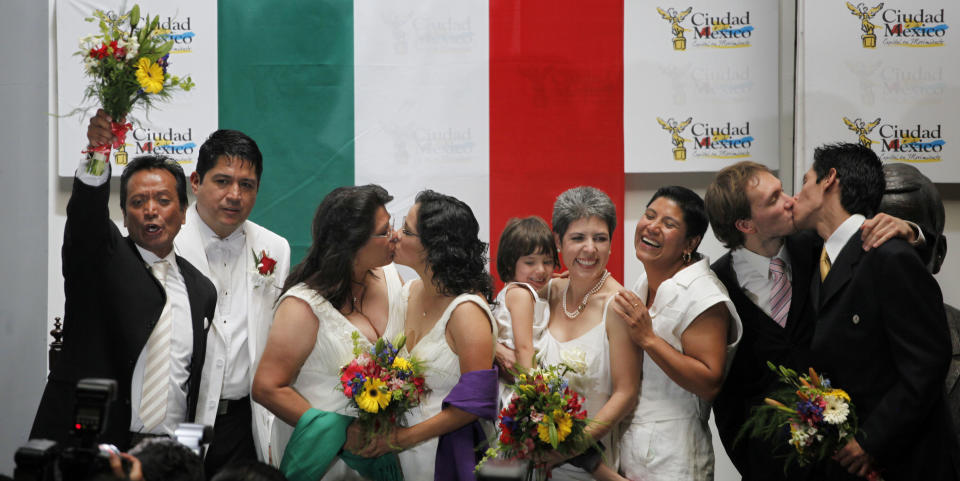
320, 374
441, 373
541, 315
667, 437
596, 384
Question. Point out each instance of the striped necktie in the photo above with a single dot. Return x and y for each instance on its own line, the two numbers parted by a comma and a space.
780, 292
156, 371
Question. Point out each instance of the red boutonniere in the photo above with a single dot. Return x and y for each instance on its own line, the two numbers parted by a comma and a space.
264, 265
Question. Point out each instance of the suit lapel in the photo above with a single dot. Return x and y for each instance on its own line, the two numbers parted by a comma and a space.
190, 245
841, 270
254, 295
746, 308
802, 268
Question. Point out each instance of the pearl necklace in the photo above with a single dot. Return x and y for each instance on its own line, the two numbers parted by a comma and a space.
583, 303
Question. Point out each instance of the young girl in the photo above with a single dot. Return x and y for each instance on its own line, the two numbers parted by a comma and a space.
526, 259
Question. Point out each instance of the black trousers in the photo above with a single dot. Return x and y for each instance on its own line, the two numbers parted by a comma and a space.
232, 437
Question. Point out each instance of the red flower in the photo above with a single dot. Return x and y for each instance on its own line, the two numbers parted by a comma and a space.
265, 265
99, 52
505, 436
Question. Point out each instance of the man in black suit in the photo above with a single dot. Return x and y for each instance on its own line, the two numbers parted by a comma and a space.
881, 334
753, 217
126, 296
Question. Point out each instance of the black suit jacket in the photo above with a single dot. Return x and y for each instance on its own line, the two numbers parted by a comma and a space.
112, 304
881, 335
749, 379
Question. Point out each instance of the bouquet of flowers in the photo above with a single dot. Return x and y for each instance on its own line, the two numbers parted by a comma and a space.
544, 415
821, 418
127, 63
381, 385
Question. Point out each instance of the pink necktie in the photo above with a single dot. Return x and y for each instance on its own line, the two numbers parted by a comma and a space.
780, 292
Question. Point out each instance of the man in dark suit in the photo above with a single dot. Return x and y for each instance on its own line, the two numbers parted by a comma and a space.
753, 217
134, 312
881, 334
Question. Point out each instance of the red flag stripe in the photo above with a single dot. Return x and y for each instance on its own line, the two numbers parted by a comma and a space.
556, 108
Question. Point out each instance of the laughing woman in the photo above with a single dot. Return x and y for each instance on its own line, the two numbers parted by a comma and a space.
681, 316
581, 319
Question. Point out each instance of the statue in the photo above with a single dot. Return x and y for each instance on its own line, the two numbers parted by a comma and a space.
679, 151
911, 196
865, 14
861, 129
671, 15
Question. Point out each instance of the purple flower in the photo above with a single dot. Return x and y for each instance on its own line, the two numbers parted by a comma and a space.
810, 412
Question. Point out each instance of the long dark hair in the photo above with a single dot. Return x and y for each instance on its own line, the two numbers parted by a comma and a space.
342, 225
457, 257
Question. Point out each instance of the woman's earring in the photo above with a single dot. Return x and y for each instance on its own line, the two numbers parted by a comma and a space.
686, 257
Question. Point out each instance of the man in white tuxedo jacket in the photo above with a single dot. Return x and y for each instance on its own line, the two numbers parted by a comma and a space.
248, 264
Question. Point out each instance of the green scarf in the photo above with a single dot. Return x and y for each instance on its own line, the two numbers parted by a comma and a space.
316, 443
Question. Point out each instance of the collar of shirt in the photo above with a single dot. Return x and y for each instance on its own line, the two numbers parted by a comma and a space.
150, 258
844, 232
231, 245
747, 263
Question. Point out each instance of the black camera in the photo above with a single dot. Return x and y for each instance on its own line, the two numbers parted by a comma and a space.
42, 459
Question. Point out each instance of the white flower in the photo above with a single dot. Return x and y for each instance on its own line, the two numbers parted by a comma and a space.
575, 359
799, 437
836, 410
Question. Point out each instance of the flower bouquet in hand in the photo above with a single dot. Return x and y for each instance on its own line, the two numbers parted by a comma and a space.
382, 385
127, 64
821, 418
544, 416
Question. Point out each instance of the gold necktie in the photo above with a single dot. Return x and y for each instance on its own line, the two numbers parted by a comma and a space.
824, 264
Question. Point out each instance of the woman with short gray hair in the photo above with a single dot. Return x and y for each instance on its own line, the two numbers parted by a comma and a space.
581, 324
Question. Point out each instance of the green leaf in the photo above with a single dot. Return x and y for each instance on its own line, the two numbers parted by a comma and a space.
552, 428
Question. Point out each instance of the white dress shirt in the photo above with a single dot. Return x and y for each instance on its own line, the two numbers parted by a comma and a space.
842, 235
181, 342
225, 257
753, 275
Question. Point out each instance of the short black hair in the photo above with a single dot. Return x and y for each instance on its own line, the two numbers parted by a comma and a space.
522, 237
229, 143
164, 459
694, 212
859, 173
249, 471
151, 162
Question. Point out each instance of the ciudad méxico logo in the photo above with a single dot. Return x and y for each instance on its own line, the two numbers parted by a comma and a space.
723, 29
899, 25
727, 139
899, 141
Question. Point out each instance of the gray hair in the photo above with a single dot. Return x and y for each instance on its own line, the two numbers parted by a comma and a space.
581, 203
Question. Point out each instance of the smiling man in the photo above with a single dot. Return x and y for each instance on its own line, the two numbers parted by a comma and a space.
134, 311
247, 263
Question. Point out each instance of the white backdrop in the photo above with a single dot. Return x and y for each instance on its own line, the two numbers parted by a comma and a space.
887, 75
701, 85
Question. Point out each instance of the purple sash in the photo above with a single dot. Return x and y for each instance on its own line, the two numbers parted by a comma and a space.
459, 451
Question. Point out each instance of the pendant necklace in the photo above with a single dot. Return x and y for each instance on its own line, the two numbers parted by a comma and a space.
586, 298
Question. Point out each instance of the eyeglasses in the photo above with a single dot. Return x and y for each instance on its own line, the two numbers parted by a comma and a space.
387, 235
406, 231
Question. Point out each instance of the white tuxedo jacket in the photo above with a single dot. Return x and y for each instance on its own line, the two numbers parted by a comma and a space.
261, 295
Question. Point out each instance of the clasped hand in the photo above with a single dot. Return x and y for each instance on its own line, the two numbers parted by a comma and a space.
369, 444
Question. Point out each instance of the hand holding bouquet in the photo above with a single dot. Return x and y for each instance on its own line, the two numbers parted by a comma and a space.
821, 418
382, 385
127, 63
544, 416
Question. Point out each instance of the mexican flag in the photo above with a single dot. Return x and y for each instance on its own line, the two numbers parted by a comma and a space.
503, 104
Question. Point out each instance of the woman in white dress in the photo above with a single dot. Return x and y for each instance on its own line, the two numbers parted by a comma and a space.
581, 320
448, 326
345, 285
682, 317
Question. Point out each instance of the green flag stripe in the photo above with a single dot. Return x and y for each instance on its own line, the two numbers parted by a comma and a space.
286, 79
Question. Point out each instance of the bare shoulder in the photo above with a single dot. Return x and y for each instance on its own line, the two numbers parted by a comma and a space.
518, 295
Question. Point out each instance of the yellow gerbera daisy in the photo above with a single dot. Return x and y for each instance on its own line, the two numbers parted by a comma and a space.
839, 393
149, 75
401, 363
374, 396
564, 426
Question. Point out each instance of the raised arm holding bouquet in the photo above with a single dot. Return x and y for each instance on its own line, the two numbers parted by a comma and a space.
127, 64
